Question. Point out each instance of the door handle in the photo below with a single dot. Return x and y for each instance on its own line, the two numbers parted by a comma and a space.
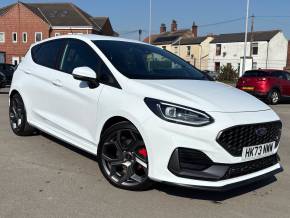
57, 83
26, 72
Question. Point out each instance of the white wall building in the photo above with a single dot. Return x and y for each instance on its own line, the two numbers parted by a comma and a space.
269, 50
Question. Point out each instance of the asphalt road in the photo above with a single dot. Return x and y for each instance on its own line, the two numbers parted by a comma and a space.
44, 177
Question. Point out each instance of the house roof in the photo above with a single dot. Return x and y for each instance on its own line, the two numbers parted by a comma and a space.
168, 37
59, 14
191, 40
240, 37
62, 14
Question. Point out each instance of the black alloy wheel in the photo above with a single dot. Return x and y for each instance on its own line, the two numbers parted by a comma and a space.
18, 118
123, 157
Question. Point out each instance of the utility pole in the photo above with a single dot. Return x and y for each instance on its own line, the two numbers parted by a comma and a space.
252, 35
150, 20
140, 34
246, 39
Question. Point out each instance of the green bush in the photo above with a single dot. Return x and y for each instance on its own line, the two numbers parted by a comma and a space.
228, 73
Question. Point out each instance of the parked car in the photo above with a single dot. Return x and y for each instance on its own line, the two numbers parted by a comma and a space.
214, 75
145, 120
7, 70
270, 85
2, 80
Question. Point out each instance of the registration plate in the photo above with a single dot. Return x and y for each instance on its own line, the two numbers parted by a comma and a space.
248, 88
258, 151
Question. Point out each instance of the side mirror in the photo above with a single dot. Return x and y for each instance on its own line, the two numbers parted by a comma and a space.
86, 74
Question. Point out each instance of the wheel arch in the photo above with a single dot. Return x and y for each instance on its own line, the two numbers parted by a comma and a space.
276, 88
12, 93
110, 121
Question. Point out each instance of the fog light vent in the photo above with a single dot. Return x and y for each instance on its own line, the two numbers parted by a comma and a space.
188, 159
193, 159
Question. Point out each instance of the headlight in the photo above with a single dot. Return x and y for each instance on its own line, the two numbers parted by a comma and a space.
177, 113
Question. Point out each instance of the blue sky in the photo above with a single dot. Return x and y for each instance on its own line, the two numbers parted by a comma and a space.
130, 15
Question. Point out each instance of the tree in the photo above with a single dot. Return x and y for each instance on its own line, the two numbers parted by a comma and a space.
228, 73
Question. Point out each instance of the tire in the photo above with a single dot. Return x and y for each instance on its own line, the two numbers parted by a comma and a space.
18, 118
274, 97
122, 158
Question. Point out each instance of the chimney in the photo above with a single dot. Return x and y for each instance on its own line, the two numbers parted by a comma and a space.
173, 26
162, 28
194, 29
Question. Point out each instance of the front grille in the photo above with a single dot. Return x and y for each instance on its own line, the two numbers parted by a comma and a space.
236, 138
241, 169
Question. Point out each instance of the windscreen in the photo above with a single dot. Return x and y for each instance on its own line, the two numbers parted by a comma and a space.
141, 61
256, 73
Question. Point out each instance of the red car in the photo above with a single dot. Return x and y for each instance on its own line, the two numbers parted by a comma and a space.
271, 85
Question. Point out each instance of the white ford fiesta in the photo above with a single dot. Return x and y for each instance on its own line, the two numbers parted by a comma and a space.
145, 113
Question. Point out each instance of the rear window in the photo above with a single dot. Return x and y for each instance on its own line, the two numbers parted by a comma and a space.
256, 73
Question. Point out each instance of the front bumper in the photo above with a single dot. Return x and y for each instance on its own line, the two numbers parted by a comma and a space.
258, 94
235, 185
163, 138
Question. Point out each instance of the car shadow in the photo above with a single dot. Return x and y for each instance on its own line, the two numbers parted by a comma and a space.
68, 146
285, 101
178, 191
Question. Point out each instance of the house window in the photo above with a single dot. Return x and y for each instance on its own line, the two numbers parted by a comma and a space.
14, 37
176, 50
24, 37
2, 57
2, 37
255, 48
164, 47
218, 49
15, 60
254, 65
188, 51
57, 34
38, 36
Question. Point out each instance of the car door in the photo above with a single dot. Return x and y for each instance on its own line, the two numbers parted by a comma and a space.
39, 79
287, 76
75, 106
281, 82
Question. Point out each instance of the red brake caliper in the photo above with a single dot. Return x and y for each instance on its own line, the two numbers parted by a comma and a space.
142, 152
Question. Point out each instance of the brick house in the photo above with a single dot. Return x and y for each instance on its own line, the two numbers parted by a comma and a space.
166, 38
22, 24
288, 57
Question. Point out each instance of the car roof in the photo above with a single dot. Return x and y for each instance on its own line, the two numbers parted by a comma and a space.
266, 70
92, 37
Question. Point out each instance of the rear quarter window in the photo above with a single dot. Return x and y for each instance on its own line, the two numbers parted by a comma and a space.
47, 54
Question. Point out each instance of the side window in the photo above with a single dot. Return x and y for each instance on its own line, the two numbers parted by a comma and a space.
79, 54
47, 54
287, 75
279, 75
